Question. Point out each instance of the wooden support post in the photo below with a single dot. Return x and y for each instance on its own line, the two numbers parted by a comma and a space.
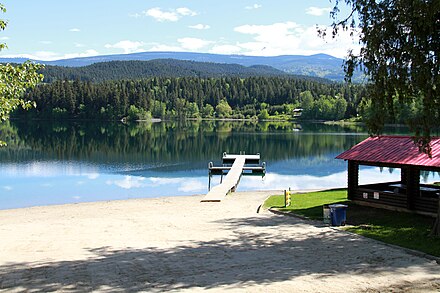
412, 186
353, 179
403, 175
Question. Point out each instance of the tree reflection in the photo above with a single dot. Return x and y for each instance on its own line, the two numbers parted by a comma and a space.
168, 142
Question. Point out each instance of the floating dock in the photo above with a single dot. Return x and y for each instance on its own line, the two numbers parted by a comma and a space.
233, 174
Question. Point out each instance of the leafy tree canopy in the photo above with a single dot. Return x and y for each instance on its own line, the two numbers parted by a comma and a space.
223, 109
14, 80
400, 56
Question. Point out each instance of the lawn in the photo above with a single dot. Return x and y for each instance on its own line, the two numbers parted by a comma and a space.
398, 228
307, 204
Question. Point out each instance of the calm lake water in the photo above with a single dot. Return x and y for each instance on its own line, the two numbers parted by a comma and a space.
55, 163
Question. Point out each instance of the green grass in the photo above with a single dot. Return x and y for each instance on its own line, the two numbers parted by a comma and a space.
398, 228
307, 204
280, 117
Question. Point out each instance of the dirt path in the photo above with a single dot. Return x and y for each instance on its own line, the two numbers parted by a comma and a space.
180, 244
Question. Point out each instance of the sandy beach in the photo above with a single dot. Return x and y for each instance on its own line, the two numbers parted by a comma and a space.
179, 244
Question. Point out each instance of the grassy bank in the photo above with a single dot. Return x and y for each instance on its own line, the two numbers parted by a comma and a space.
307, 204
398, 228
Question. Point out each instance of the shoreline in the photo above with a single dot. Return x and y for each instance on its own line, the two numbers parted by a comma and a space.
179, 244
273, 192
96, 202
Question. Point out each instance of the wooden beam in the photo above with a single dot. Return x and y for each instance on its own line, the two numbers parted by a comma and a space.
353, 179
412, 185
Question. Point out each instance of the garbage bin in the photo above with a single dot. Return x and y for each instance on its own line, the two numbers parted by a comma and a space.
338, 214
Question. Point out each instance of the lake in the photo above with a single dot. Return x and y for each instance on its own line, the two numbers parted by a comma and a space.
56, 163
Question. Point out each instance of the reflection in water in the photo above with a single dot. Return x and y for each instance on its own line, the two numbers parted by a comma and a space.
55, 163
157, 145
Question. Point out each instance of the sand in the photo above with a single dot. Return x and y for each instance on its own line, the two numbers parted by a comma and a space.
180, 244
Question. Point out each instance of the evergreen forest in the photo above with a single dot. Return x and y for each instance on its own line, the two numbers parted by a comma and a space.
176, 89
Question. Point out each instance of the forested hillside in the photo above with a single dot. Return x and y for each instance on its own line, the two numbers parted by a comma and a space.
319, 65
116, 70
194, 97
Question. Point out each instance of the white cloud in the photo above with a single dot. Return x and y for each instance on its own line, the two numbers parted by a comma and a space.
192, 186
181, 184
338, 47
283, 38
135, 15
226, 49
4, 38
200, 26
93, 176
44, 55
291, 38
295, 182
265, 31
157, 181
7, 187
287, 38
40, 169
79, 45
160, 15
155, 47
186, 11
272, 39
128, 182
193, 43
44, 169
186, 185
173, 15
275, 181
255, 6
127, 46
50, 56
87, 53
317, 11
74, 30
183, 44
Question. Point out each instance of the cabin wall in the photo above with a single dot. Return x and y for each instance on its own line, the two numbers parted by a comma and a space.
408, 198
426, 204
377, 196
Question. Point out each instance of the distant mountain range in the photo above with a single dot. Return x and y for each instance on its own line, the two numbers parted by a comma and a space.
319, 65
119, 70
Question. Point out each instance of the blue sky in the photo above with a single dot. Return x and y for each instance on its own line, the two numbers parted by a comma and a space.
56, 29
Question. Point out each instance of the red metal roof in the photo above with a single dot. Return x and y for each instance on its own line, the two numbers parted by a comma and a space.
394, 150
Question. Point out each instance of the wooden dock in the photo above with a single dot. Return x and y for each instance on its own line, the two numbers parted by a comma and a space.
232, 178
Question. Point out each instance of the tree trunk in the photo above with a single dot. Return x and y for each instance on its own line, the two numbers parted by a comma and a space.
436, 228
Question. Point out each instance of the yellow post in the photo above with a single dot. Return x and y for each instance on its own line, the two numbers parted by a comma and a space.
286, 198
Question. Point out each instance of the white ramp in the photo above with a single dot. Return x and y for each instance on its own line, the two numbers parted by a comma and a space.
229, 183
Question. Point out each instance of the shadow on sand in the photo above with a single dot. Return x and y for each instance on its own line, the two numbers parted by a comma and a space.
248, 256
